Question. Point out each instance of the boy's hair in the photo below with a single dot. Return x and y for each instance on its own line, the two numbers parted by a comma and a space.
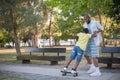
85, 30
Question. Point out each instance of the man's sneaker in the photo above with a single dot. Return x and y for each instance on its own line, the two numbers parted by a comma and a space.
96, 73
91, 70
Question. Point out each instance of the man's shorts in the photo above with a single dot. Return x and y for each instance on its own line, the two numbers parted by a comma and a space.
92, 49
76, 52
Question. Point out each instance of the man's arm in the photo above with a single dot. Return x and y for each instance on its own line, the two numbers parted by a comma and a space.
93, 35
102, 35
103, 43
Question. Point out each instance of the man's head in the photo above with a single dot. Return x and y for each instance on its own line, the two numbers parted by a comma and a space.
85, 30
87, 18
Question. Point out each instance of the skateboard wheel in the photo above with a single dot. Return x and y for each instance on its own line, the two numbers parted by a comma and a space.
75, 75
64, 74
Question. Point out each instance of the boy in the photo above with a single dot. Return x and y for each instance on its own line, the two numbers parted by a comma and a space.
78, 49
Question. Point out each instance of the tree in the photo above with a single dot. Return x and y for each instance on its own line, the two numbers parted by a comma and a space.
1, 39
65, 23
73, 10
11, 11
7, 9
113, 19
34, 18
114, 11
17, 15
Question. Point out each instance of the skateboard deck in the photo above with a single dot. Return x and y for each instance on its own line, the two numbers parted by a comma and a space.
64, 73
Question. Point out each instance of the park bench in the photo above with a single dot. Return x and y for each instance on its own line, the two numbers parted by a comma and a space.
111, 59
48, 54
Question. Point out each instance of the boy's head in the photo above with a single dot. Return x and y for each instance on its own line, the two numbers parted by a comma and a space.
85, 30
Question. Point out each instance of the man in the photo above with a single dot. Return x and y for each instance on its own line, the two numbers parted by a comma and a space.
92, 50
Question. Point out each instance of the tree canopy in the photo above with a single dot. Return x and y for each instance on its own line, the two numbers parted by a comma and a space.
71, 12
60, 19
114, 11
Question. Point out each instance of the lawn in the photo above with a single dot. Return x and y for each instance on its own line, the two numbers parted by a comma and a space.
9, 56
8, 77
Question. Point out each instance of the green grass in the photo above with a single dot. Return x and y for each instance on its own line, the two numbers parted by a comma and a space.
8, 77
109, 55
9, 57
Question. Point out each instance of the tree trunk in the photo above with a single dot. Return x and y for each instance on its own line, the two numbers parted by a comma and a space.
13, 18
50, 37
36, 42
33, 41
99, 15
105, 23
17, 46
50, 34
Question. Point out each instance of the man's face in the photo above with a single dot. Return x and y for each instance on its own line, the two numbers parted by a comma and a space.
87, 19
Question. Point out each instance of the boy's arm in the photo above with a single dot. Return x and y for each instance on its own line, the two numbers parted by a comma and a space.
76, 37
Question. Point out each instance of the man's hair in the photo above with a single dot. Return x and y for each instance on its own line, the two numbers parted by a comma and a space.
85, 30
87, 15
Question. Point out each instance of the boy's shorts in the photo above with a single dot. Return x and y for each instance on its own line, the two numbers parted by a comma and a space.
76, 52
92, 50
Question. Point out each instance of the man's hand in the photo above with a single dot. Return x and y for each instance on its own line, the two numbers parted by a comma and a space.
94, 34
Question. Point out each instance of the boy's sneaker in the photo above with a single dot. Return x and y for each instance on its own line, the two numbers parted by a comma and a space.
65, 69
73, 71
96, 73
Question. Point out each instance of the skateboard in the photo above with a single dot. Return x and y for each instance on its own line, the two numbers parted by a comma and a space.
64, 73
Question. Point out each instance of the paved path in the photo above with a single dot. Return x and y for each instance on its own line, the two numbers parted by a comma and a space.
55, 72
